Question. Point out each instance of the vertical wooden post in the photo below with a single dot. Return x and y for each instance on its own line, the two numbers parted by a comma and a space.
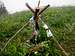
36, 18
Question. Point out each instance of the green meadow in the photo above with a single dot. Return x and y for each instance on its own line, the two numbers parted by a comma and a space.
61, 21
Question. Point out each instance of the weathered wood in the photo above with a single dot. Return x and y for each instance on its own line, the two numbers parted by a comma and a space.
43, 9
37, 12
29, 7
14, 36
38, 3
60, 47
36, 18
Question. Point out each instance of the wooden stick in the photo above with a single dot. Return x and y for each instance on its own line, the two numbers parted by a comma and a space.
43, 9
36, 18
14, 36
63, 51
38, 3
29, 7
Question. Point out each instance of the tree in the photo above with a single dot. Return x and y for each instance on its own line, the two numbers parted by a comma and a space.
2, 8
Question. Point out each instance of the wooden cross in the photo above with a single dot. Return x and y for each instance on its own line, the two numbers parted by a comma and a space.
36, 13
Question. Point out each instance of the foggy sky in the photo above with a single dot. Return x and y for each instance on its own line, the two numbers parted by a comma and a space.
19, 5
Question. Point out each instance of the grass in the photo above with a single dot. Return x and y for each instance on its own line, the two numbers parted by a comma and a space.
61, 21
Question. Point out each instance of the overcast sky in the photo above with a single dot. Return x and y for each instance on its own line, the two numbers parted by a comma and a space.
19, 5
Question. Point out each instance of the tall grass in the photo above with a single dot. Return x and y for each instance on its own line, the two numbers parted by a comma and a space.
61, 22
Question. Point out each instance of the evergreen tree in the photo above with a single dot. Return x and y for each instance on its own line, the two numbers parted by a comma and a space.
2, 8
